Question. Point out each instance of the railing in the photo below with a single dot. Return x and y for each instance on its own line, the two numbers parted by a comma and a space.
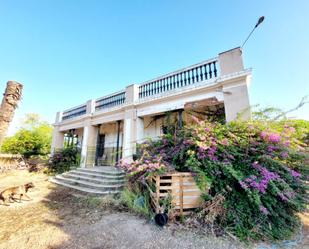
191, 75
188, 76
78, 111
110, 101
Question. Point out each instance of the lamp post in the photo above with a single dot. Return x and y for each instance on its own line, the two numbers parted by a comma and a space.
261, 19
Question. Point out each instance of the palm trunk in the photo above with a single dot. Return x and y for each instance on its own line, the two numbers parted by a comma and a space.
11, 97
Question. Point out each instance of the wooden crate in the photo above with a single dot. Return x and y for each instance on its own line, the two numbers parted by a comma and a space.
182, 188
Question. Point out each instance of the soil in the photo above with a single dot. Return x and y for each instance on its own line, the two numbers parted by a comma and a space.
57, 217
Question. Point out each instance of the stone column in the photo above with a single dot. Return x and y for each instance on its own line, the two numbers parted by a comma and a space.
139, 129
131, 124
236, 97
90, 106
89, 145
90, 134
58, 136
129, 130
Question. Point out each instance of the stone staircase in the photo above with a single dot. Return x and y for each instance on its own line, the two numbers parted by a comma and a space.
97, 180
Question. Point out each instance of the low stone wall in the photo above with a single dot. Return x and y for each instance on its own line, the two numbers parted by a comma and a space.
10, 161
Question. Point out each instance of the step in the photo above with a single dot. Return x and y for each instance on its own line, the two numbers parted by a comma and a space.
84, 189
104, 187
93, 179
101, 171
96, 175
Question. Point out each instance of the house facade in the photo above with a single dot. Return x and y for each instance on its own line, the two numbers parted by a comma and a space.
108, 129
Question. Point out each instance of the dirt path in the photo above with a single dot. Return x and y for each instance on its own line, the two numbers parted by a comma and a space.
59, 218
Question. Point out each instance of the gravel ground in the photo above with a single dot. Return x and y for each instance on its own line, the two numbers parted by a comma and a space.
60, 218
122, 230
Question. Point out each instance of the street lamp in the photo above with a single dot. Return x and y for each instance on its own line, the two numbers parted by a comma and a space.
261, 19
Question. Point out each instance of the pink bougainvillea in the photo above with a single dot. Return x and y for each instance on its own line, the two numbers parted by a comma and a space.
270, 136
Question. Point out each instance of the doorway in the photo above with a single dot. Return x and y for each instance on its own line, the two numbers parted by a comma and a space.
100, 150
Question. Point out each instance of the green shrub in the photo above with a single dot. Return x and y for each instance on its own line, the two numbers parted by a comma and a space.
136, 201
34, 138
64, 159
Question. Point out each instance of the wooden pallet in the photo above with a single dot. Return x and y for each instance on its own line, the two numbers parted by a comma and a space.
185, 194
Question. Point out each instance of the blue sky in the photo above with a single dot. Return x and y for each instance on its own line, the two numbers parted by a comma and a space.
66, 52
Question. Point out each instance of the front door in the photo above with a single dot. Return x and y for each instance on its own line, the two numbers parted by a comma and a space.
100, 150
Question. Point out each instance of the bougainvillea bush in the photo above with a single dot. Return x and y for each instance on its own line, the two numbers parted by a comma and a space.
260, 168
139, 170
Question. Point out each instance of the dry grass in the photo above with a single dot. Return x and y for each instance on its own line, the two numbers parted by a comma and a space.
61, 218
21, 221
38, 223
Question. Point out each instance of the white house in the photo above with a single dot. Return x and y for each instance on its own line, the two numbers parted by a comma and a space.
109, 128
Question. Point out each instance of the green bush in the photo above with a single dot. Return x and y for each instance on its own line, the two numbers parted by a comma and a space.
259, 167
34, 138
64, 159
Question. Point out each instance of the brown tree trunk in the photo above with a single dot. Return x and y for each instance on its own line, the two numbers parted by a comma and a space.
11, 97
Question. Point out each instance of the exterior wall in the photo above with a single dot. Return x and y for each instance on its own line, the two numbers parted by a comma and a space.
152, 127
231, 61
57, 140
236, 102
137, 109
235, 91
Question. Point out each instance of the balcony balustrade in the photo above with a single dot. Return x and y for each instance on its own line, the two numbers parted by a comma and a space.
75, 112
110, 101
198, 73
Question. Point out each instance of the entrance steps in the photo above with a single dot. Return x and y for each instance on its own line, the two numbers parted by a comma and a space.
103, 180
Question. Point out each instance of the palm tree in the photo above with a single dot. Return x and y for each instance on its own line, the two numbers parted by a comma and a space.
10, 100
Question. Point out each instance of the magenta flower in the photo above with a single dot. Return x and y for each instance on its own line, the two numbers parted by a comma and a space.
266, 177
243, 185
187, 142
295, 174
271, 148
284, 154
263, 135
264, 210
287, 143
283, 197
274, 137
207, 129
201, 155
271, 137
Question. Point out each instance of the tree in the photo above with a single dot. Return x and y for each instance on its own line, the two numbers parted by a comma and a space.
33, 138
276, 114
11, 97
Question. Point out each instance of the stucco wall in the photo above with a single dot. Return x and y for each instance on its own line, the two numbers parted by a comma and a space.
152, 127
